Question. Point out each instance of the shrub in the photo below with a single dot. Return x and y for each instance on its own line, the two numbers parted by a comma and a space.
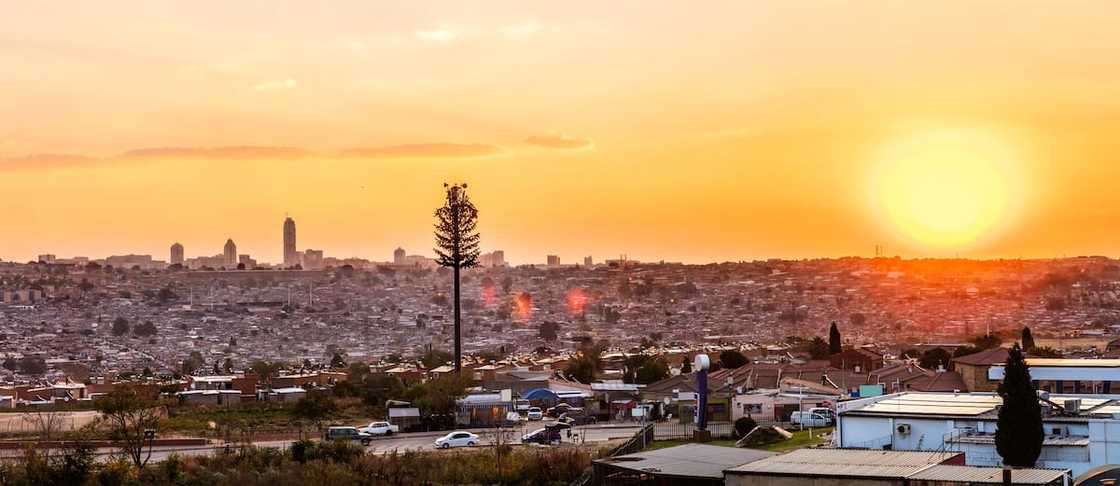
743, 426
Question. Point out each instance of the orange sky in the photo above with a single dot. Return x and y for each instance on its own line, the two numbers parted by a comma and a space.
696, 132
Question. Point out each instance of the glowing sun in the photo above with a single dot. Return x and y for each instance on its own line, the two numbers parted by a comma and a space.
946, 189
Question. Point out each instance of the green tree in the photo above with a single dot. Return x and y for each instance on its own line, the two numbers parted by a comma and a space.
934, 357
435, 358
986, 341
315, 408
337, 362
585, 365
834, 344
457, 242
733, 359
1027, 339
686, 366
120, 326
1045, 352
1019, 424
818, 349
132, 417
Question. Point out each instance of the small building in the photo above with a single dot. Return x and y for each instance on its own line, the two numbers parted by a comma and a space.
284, 395
405, 418
209, 397
693, 464
973, 369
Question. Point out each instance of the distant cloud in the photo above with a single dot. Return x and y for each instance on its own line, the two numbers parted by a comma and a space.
276, 84
45, 162
521, 31
426, 150
230, 152
441, 34
559, 141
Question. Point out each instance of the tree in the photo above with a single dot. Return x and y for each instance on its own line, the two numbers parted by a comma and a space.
457, 248
934, 357
145, 329
744, 425
1019, 425
337, 362
818, 349
643, 369
1028, 340
548, 330
120, 326
132, 418
507, 284
265, 370
986, 341
585, 364
315, 408
733, 359
834, 343
1045, 352
686, 366
32, 365
435, 358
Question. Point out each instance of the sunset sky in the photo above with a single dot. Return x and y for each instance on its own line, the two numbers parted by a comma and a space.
683, 131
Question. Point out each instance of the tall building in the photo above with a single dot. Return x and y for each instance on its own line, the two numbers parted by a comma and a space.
313, 259
47, 258
399, 256
496, 258
291, 255
177, 254
588, 262
553, 261
229, 256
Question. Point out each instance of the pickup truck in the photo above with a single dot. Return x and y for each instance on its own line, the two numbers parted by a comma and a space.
380, 428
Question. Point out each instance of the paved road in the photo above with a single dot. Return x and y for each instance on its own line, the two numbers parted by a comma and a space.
399, 442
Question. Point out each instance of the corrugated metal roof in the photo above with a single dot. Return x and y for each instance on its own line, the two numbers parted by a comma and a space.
846, 463
688, 460
990, 475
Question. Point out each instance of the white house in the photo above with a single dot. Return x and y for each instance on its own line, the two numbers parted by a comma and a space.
1080, 431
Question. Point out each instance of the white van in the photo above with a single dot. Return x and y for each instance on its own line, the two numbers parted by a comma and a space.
810, 419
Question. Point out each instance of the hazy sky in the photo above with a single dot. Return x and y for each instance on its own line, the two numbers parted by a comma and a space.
684, 131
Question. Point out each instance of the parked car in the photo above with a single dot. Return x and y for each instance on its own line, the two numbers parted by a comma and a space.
534, 413
809, 419
513, 418
577, 419
380, 428
546, 436
458, 438
348, 433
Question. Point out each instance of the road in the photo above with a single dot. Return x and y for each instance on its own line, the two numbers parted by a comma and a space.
397, 442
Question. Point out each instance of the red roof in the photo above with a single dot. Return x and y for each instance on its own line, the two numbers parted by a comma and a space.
986, 357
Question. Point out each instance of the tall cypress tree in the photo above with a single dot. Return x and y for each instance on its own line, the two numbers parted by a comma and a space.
834, 344
1028, 340
1019, 425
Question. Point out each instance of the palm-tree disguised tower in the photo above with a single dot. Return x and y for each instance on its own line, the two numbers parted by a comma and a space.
457, 246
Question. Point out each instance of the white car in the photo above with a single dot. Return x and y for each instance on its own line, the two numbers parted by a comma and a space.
380, 428
534, 414
457, 439
513, 418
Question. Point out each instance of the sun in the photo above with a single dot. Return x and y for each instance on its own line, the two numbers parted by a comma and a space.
947, 189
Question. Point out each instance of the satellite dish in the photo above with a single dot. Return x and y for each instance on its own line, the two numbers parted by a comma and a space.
702, 362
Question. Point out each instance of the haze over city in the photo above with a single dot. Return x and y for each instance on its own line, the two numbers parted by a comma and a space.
578, 243
727, 132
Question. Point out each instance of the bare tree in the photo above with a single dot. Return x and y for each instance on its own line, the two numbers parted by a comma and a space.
132, 417
46, 424
457, 241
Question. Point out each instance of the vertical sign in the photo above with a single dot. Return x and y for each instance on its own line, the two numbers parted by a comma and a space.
701, 366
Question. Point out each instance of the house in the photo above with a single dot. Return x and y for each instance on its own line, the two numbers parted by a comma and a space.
291, 394
1080, 431
406, 418
973, 368
776, 405
856, 359
209, 397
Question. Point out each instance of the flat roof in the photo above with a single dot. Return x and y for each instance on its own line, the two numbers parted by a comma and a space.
987, 475
688, 460
848, 463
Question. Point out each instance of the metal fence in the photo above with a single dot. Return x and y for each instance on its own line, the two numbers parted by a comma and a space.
642, 439
675, 430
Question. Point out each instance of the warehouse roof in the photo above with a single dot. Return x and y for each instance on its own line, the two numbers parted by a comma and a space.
688, 460
988, 475
848, 463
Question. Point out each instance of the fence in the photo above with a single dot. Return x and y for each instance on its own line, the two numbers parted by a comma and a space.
673, 430
639, 441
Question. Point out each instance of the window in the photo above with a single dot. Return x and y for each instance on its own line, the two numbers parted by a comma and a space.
752, 408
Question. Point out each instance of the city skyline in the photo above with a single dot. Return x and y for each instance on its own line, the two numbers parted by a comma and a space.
720, 135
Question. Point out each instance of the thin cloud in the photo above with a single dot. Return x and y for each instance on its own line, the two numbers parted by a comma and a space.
441, 34
228, 152
426, 150
45, 162
561, 142
277, 84
521, 31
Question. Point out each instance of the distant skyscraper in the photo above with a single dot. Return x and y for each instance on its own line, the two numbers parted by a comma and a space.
399, 256
312, 259
553, 261
587, 262
177, 254
291, 255
230, 254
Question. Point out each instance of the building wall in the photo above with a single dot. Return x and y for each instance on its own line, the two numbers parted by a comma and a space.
760, 480
976, 378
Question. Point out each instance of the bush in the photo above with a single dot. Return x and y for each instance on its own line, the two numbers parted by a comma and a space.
744, 425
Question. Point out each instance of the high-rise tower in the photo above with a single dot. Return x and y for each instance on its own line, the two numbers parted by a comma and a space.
291, 256
230, 254
177, 254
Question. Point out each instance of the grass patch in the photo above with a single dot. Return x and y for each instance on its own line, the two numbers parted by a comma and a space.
661, 444
800, 439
